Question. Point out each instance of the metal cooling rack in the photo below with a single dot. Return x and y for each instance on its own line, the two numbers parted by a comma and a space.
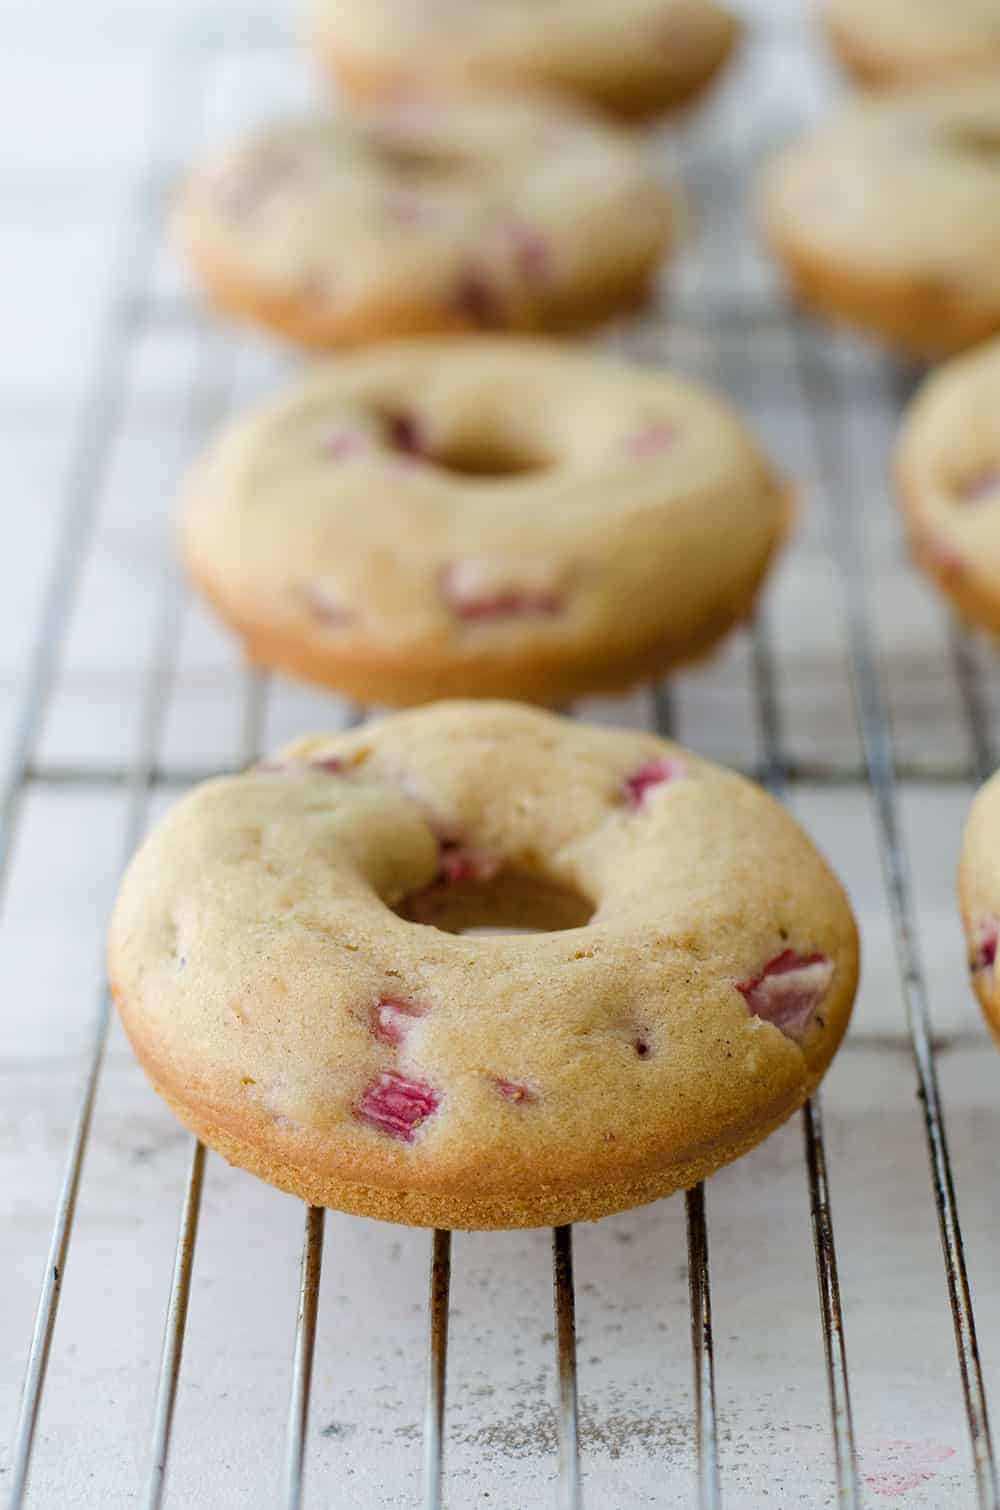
727, 323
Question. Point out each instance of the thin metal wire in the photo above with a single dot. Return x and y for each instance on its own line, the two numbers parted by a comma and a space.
437, 1369
302, 1362
173, 1336
709, 1490
847, 552
974, 704
699, 1283
569, 1432
153, 714
773, 773
187, 1237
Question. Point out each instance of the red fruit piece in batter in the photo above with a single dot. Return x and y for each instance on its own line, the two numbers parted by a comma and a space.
467, 588
332, 764
531, 251
392, 1019
652, 439
406, 434
459, 863
341, 443
323, 606
984, 944
477, 299
981, 486
397, 1106
653, 773
515, 1090
788, 990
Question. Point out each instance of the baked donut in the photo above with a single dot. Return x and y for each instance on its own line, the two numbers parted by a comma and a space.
892, 42
979, 895
426, 216
889, 215
631, 57
287, 959
487, 518
948, 482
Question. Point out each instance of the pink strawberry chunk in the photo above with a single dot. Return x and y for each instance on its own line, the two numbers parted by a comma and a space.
324, 606
397, 1106
331, 764
653, 773
981, 486
459, 863
406, 434
476, 298
531, 251
474, 592
788, 990
984, 944
342, 443
393, 1018
652, 439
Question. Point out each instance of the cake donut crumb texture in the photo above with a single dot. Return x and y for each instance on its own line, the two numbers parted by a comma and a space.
285, 958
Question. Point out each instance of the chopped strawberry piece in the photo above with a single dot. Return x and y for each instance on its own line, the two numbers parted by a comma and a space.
981, 486
397, 1106
473, 591
788, 990
532, 252
461, 864
392, 1019
324, 606
341, 444
984, 944
476, 298
406, 434
653, 773
652, 439
332, 764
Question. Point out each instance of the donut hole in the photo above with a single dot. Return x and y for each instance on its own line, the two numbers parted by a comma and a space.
415, 161
490, 456
511, 902
482, 453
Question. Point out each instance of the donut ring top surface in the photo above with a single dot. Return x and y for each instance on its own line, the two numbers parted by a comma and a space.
490, 518
632, 57
282, 958
889, 213
904, 41
427, 215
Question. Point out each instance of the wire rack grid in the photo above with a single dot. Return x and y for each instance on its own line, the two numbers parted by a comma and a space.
128, 693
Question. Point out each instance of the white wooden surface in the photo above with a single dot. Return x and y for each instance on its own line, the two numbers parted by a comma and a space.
89, 137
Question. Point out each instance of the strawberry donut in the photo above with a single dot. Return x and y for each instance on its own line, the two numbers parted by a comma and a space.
948, 480
888, 215
288, 957
482, 518
426, 216
631, 57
